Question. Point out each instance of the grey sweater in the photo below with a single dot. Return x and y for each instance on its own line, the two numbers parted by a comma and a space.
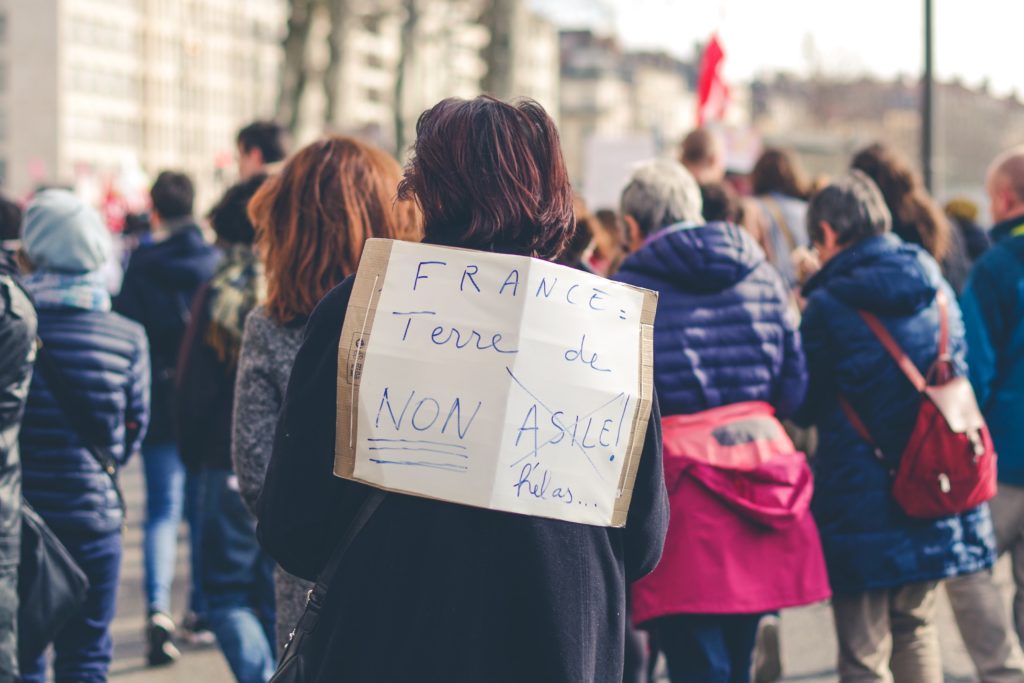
264, 365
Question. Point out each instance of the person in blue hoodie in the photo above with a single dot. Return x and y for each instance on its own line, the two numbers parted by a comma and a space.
884, 567
160, 283
101, 360
724, 334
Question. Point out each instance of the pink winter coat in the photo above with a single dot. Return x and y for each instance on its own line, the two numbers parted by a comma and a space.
741, 539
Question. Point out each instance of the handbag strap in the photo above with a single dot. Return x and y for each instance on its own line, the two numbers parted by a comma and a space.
893, 348
318, 594
80, 414
902, 360
775, 211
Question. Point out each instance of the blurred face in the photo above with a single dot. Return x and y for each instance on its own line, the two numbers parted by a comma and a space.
249, 162
1003, 203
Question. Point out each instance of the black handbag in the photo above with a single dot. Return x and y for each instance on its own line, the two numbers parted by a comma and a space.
297, 665
51, 586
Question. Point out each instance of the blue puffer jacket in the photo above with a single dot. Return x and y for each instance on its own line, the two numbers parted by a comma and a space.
993, 304
159, 286
106, 358
723, 333
869, 542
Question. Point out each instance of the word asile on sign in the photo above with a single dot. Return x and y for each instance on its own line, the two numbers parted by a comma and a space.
496, 381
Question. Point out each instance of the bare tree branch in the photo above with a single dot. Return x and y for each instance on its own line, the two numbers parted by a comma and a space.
293, 67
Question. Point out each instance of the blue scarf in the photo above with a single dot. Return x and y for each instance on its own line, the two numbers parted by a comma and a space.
87, 291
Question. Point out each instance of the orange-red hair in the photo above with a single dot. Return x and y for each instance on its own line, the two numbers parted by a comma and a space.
313, 219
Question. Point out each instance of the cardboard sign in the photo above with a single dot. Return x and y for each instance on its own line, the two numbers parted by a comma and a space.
496, 381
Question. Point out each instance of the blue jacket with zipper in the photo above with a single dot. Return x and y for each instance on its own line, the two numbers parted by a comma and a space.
869, 542
993, 306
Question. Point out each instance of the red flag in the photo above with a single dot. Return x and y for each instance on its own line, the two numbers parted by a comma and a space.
712, 92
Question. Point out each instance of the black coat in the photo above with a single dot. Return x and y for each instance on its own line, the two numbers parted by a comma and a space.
205, 395
17, 352
433, 591
159, 285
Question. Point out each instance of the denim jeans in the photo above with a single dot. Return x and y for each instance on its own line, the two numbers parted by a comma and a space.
238, 580
168, 493
83, 648
707, 648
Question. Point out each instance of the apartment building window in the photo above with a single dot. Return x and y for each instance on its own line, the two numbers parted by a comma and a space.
3, 171
3, 28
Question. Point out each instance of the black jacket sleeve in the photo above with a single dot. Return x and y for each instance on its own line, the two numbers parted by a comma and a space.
647, 521
302, 503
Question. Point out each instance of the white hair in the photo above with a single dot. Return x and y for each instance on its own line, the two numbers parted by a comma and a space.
661, 193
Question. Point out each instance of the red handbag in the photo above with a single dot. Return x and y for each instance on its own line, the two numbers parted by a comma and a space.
949, 464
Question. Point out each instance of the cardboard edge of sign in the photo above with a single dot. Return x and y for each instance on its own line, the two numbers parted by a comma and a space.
358, 325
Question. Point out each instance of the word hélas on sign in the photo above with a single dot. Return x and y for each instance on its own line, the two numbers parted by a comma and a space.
551, 288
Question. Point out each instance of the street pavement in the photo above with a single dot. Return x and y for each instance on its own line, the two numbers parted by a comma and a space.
808, 638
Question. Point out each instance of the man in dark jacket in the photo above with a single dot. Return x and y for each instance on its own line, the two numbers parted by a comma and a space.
17, 351
159, 285
884, 566
993, 305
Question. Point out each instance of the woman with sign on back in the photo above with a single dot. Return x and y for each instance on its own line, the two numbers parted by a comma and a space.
429, 590
312, 220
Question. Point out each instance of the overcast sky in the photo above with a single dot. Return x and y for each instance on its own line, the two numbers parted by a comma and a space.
974, 39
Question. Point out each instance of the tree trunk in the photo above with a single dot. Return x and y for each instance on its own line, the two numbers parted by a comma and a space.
405, 52
339, 12
293, 67
498, 17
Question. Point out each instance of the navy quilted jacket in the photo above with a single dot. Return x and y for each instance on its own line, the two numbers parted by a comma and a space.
869, 542
105, 357
723, 332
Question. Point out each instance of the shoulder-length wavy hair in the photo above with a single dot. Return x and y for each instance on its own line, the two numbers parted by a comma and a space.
490, 175
916, 216
313, 219
778, 170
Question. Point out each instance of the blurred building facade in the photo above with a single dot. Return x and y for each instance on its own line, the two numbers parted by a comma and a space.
96, 88
616, 100
828, 120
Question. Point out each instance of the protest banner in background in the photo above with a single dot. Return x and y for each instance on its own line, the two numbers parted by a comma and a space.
497, 381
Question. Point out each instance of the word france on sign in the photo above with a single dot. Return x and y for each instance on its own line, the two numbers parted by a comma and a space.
497, 381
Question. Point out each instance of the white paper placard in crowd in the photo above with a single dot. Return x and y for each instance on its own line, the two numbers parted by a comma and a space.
496, 381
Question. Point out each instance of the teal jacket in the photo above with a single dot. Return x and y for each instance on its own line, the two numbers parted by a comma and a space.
993, 310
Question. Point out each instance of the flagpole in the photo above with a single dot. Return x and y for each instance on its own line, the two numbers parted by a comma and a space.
928, 99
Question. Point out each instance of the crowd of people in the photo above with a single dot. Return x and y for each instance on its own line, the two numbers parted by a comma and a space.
801, 326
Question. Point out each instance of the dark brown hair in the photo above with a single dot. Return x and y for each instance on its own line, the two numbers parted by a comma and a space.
778, 170
489, 175
916, 216
313, 219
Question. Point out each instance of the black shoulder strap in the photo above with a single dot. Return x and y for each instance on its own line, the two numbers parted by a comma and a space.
80, 414
318, 594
